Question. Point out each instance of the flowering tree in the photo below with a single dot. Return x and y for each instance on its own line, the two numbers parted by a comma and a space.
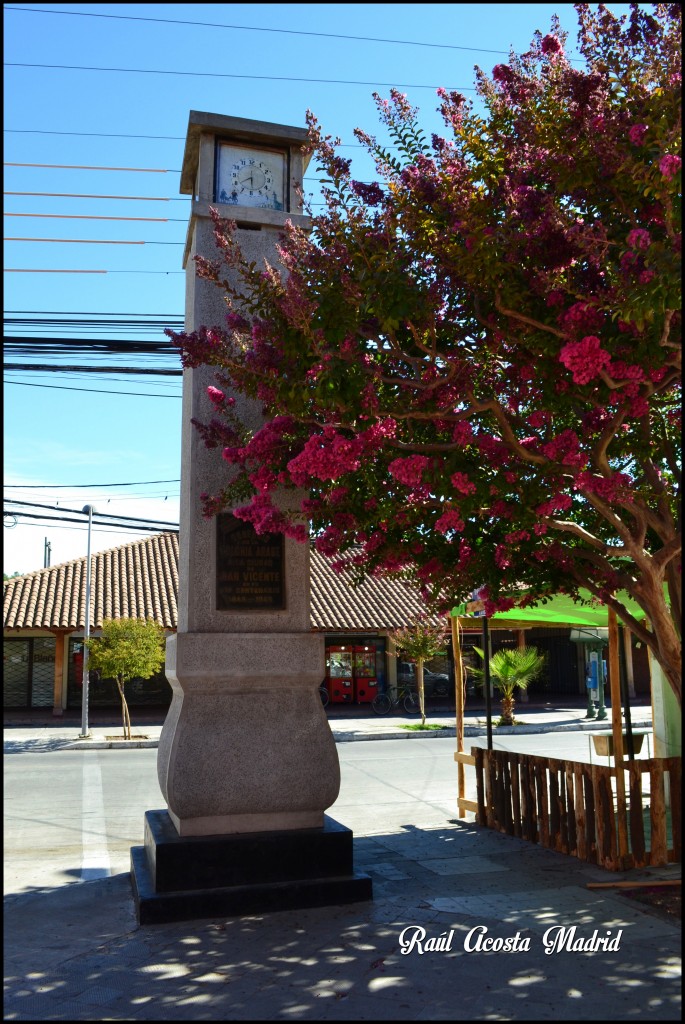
420, 640
472, 368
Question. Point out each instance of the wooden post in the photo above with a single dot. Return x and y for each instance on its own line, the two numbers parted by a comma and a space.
459, 705
617, 730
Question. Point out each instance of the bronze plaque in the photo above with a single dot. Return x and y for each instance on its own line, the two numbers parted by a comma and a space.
250, 573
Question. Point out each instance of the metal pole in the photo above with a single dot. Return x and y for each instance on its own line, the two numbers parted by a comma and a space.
85, 732
486, 680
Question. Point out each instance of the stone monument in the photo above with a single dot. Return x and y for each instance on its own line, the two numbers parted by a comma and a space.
247, 763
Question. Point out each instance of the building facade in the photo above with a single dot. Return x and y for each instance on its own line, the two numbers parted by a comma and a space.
44, 621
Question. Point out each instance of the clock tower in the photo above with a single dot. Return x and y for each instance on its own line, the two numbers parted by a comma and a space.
247, 762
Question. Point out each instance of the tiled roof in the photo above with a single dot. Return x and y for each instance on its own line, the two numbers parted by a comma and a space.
337, 604
137, 580
140, 580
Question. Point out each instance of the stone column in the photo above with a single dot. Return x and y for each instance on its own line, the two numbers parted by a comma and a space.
246, 749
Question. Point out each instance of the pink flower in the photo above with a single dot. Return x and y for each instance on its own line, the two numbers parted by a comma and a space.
216, 396
645, 276
502, 560
559, 503
461, 483
449, 520
537, 419
584, 358
409, 471
669, 165
608, 487
551, 44
637, 134
639, 407
638, 238
325, 456
462, 433
502, 73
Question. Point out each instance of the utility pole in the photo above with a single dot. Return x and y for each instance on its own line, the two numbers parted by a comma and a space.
85, 732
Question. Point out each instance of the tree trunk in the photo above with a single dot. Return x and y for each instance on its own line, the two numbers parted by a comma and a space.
507, 704
668, 648
125, 717
421, 690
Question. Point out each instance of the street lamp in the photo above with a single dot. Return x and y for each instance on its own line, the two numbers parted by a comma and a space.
85, 732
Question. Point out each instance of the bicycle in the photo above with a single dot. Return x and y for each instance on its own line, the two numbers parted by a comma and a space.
382, 703
323, 693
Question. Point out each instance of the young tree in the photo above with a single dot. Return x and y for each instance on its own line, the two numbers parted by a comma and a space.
473, 368
127, 649
420, 640
511, 669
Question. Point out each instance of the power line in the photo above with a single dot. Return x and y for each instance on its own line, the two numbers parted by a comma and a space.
82, 241
83, 167
91, 241
55, 487
42, 270
55, 368
101, 515
46, 520
253, 28
92, 391
219, 74
91, 135
80, 195
95, 216
59, 312
112, 135
96, 528
23, 270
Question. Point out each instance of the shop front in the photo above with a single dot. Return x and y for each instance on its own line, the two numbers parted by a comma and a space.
356, 668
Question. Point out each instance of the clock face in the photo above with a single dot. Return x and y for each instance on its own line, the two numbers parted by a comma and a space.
251, 177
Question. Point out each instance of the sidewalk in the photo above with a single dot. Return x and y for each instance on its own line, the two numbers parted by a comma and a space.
41, 731
481, 909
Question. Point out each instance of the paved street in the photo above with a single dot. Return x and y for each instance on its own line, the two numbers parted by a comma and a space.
74, 950
84, 827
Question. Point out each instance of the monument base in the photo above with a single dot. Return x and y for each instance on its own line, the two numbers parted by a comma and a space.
180, 878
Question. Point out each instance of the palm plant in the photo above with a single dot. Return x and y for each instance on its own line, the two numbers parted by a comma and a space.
511, 668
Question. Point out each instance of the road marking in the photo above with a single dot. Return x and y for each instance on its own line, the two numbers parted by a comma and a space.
95, 861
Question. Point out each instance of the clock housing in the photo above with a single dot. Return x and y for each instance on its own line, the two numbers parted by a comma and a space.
252, 176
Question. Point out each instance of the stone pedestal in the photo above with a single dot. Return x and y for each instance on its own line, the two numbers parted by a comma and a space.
178, 879
246, 746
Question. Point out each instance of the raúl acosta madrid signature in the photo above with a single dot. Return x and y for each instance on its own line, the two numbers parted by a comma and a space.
558, 939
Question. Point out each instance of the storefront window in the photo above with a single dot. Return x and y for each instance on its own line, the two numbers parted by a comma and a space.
29, 672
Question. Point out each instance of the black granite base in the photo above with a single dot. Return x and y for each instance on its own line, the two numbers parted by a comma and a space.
178, 879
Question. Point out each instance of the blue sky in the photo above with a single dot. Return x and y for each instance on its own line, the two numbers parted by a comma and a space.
268, 62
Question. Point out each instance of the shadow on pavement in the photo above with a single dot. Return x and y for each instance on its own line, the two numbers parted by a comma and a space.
76, 953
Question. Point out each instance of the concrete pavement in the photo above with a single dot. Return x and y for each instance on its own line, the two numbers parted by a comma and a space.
475, 910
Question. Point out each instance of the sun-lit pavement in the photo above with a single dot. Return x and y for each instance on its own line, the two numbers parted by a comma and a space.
75, 952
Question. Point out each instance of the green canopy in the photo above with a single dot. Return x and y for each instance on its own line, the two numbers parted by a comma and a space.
559, 610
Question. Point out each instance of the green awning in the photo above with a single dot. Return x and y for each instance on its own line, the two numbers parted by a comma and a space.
559, 610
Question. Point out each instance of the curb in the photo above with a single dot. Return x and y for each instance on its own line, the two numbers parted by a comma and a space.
389, 734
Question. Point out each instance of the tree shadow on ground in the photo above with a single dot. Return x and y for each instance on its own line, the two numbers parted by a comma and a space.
77, 953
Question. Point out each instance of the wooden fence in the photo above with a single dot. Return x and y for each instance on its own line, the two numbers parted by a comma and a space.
572, 807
